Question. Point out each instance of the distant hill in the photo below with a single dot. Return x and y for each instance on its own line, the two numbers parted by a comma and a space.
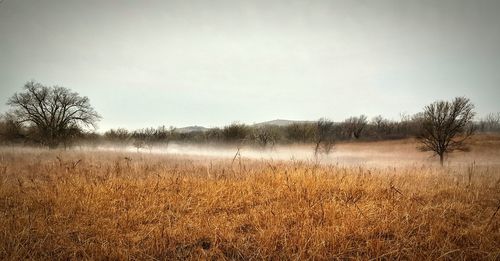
191, 129
279, 122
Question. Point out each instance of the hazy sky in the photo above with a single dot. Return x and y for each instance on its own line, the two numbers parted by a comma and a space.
151, 63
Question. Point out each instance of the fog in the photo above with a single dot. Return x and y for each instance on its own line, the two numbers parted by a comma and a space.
374, 154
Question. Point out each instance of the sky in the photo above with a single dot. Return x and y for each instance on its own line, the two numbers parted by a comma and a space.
179, 63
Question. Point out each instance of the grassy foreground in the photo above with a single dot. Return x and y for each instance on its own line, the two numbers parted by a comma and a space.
108, 205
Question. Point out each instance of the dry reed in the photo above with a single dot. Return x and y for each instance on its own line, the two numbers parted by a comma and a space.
105, 205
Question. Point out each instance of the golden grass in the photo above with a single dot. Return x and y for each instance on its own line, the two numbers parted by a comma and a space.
109, 205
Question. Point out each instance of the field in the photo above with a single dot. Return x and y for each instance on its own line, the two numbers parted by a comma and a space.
95, 204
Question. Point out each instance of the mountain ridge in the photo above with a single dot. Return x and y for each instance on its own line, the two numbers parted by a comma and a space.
275, 122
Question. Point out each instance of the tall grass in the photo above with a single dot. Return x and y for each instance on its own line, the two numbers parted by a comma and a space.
109, 205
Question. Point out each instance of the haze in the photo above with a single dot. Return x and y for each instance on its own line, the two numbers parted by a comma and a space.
150, 63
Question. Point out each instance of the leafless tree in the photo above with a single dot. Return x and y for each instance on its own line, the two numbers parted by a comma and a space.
382, 127
379, 121
235, 133
266, 135
10, 130
214, 135
148, 137
325, 136
491, 122
56, 112
446, 126
354, 126
300, 132
118, 136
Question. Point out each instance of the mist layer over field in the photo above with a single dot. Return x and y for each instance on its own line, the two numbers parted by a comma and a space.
484, 151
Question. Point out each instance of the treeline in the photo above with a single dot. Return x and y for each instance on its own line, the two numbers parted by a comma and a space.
319, 132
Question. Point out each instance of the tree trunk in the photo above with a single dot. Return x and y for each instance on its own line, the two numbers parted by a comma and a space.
441, 159
316, 149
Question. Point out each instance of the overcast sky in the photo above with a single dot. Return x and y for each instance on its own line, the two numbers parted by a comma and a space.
151, 63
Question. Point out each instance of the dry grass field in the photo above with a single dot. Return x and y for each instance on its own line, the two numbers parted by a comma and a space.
122, 205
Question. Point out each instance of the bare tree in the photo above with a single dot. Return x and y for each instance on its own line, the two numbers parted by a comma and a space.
491, 122
163, 135
55, 112
214, 135
325, 136
118, 136
300, 132
354, 126
235, 133
10, 130
148, 137
266, 135
446, 126
381, 126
